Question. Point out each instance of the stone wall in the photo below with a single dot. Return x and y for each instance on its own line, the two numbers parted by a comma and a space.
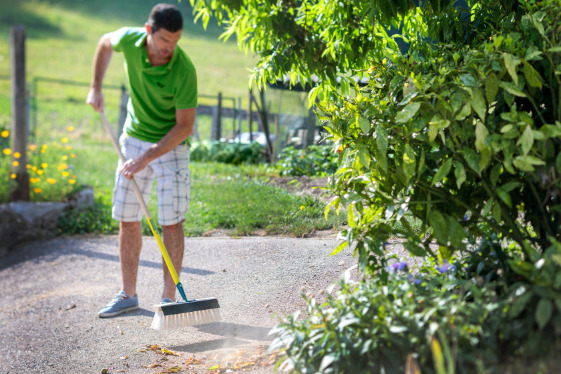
22, 221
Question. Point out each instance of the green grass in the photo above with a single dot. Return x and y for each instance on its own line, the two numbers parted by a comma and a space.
61, 37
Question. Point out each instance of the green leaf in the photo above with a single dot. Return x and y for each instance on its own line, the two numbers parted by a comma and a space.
340, 248
409, 162
442, 172
438, 224
495, 174
415, 249
382, 147
351, 216
481, 134
456, 233
408, 112
526, 163
364, 124
334, 202
521, 267
543, 312
504, 196
468, 80
478, 103
512, 89
533, 78
491, 87
511, 62
459, 173
463, 113
526, 140
520, 304
364, 156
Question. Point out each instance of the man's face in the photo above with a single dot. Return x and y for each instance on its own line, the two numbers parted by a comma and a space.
163, 42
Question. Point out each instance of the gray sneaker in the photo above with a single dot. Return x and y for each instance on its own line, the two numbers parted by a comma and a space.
121, 303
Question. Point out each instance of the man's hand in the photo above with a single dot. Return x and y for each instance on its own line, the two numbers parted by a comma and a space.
132, 167
95, 99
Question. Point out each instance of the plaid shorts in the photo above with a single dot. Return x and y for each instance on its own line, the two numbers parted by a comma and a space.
171, 172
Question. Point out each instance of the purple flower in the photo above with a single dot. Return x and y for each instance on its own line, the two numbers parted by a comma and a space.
398, 266
446, 267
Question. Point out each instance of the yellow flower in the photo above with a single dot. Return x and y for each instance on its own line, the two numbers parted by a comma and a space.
34, 168
28, 166
32, 147
17, 155
15, 164
5, 133
70, 128
13, 175
37, 190
44, 146
51, 180
68, 147
71, 181
62, 167
64, 158
60, 146
32, 180
302, 207
65, 174
44, 165
7, 151
40, 172
72, 155
43, 150
64, 140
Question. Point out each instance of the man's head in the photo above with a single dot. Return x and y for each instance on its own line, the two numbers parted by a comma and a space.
164, 28
165, 16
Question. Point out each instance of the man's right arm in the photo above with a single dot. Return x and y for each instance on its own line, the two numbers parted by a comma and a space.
101, 60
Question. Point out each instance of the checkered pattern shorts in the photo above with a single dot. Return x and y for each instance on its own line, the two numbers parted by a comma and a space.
171, 172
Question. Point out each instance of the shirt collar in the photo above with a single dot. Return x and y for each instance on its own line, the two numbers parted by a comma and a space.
140, 43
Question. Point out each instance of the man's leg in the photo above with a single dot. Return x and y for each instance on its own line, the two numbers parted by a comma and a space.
130, 245
174, 240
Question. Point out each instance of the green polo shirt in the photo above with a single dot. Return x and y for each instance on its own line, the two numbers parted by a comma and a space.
155, 91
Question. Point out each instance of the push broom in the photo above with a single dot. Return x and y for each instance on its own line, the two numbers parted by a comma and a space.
174, 314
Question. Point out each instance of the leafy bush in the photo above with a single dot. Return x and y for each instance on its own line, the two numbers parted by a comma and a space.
467, 141
229, 153
378, 325
96, 219
316, 160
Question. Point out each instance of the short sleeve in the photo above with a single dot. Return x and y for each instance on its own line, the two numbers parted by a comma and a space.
186, 91
117, 38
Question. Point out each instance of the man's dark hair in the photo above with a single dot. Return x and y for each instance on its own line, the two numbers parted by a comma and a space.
165, 16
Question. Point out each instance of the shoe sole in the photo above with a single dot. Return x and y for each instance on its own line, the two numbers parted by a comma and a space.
113, 314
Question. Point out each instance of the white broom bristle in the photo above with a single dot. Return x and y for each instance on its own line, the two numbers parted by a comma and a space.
174, 321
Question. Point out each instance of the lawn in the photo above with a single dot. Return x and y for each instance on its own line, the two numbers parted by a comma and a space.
61, 38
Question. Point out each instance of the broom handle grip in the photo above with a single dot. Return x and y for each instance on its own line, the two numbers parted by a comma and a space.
144, 207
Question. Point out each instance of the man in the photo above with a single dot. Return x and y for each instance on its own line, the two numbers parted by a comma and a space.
161, 114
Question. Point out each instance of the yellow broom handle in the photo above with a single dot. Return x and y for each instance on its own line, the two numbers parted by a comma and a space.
143, 205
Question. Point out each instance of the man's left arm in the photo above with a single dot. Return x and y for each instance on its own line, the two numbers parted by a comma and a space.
185, 121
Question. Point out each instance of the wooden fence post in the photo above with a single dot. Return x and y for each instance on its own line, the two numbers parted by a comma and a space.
123, 109
217, 120
19, 113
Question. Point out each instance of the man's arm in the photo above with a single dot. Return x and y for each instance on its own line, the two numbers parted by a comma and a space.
185, 121
101, 59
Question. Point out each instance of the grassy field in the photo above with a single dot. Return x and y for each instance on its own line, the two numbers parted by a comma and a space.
61, 38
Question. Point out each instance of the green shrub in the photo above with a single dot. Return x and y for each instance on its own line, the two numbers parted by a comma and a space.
316, 160
374, 326
229, 153
94, 220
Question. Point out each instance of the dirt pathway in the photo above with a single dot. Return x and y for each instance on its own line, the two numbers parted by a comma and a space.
51, 291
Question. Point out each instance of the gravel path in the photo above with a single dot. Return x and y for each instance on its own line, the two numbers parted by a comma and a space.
50, 293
